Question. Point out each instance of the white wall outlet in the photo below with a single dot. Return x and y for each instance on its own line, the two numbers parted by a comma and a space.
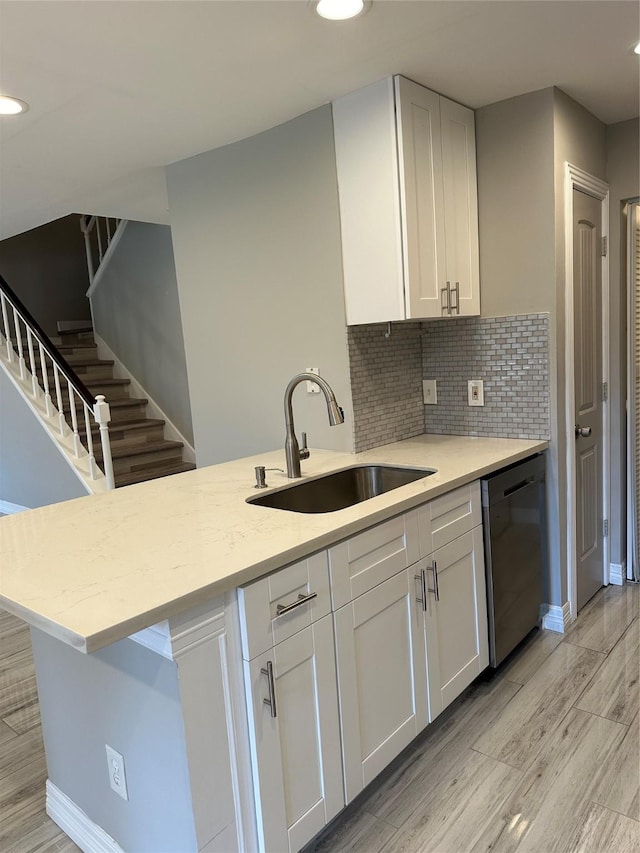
117, 778
475, 392
312, 387
430, 391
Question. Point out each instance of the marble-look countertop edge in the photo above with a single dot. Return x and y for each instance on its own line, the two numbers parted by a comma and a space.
345, 526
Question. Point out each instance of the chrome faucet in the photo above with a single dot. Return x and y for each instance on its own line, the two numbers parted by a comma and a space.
291, 449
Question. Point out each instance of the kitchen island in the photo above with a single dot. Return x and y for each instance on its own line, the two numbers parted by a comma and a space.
143, 580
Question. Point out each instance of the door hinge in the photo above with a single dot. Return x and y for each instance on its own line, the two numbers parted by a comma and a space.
603, 251
605, 528
605, 392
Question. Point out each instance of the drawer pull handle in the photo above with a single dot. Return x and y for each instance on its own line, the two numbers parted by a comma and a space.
423, 588
271, 701
281, 609
436, 589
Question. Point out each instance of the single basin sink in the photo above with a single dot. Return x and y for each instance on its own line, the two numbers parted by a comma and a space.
341, 489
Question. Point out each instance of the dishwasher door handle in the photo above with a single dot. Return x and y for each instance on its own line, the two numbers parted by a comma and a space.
523, 484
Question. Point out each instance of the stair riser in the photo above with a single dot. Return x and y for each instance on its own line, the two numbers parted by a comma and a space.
122, 437
146, 460
110, 392
128, 413
100, 371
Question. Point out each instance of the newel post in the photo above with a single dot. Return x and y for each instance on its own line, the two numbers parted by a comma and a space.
102, 414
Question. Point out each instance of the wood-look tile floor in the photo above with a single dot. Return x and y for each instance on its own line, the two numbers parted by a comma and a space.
543, 757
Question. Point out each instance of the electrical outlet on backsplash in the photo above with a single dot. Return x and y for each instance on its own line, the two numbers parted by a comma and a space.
510, 354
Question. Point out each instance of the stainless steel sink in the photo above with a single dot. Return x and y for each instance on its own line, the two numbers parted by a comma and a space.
341, 489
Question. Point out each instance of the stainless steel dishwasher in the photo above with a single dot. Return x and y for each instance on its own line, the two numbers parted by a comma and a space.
513, 515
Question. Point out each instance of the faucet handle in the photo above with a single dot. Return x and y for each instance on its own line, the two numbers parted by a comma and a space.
305, 453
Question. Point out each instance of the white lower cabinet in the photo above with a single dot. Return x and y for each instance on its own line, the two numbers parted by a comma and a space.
332, 698
295, 737
455, 618
381, 677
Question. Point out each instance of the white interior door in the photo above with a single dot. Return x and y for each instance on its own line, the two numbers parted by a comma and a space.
587, 299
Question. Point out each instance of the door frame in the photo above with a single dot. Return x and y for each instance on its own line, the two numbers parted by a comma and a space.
577, 179
632, 571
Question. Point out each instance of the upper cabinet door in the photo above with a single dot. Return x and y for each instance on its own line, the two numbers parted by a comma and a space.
421, 194
460, 195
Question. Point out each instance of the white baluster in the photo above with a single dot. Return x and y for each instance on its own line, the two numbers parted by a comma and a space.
61, 421
108, 225
99, 236
74, 420
93, 468
102, 414
35, 388
7, 328
45, 382
87, 248
21, 362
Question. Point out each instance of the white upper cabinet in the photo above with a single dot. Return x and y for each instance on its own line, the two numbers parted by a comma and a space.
408, 203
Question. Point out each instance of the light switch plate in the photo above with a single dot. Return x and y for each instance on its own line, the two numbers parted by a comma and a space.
475, 392
430, 391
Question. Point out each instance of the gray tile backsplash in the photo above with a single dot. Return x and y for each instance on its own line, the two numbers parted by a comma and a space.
510, 354
386, 383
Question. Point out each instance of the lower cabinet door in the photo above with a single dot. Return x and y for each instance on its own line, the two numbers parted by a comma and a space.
455, 619
295, 737
381, 677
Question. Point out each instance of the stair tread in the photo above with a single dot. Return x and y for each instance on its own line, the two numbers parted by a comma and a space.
130, 479
141, 423
125, 402
81, 331
81, 361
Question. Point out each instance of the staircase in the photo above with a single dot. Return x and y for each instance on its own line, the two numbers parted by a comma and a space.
139, 449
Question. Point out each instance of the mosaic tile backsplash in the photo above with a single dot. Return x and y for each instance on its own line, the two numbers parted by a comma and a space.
510, 354
386, 383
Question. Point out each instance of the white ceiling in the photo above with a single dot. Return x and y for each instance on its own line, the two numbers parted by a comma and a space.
120, 89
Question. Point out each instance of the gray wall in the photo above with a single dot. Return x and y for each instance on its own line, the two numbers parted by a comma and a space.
623, 167
128, 697
522, 145
33, 472
47, 269
137, 313
256, 236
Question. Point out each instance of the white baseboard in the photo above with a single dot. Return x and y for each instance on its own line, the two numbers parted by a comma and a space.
81, 829
153, 409
556, 618
7, 508
618, 573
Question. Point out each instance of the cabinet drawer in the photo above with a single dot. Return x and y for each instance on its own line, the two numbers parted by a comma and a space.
261, 625
371, 557
445, 518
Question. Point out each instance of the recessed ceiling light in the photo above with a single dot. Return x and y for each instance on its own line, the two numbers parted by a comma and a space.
636, 49
12, 106
340, 10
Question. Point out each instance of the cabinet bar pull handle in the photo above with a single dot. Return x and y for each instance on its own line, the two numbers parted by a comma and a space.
423, 587
281, 609
445, 304
456, 289
435, 590
271, 701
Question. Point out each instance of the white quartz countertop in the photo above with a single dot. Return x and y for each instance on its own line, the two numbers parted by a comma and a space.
94, 570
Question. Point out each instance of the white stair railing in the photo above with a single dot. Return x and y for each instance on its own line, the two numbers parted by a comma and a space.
52, 386
99, 232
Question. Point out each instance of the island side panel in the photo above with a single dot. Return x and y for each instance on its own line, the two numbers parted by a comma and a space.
126, 696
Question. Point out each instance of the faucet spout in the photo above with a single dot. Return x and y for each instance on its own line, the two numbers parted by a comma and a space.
291, 447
